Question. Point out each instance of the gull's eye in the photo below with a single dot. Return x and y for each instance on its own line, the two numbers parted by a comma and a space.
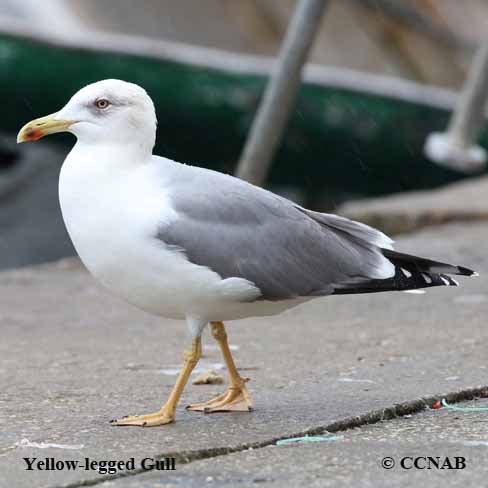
102, 103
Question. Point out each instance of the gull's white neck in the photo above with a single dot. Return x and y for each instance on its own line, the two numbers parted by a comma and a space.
108, 157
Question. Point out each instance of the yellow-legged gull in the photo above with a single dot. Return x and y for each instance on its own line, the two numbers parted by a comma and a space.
189, 243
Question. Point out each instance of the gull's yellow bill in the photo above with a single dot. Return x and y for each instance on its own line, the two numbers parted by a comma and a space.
38, 128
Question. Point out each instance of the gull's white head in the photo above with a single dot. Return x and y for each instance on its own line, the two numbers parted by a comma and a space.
106, 112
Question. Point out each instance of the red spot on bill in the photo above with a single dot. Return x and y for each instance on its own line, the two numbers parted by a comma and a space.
33, 134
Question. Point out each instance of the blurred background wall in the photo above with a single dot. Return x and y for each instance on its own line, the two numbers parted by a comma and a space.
424, 40
340, 144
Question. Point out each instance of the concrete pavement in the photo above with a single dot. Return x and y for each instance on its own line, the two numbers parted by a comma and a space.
72, 357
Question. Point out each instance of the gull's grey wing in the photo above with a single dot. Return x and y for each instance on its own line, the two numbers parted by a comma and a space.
239, 230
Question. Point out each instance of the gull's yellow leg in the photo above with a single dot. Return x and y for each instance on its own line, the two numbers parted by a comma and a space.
167, 413
236, 398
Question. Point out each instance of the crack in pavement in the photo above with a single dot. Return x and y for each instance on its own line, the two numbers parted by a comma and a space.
388, 413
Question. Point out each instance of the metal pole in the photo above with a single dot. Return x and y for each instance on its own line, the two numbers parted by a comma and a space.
470, 112
280, 94
457, 147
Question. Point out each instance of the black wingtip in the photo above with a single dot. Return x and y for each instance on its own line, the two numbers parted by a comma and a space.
466, 271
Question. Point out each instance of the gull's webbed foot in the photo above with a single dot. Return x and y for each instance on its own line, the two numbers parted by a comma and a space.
235, 399
161, 417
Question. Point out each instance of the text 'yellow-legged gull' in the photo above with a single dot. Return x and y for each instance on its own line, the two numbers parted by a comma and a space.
189, 243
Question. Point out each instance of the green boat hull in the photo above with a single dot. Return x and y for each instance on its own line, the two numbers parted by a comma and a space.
340, 143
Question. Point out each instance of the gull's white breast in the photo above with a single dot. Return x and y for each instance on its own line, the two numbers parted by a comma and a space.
112, 212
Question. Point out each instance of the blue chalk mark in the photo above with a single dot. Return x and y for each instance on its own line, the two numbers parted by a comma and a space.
319, 438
